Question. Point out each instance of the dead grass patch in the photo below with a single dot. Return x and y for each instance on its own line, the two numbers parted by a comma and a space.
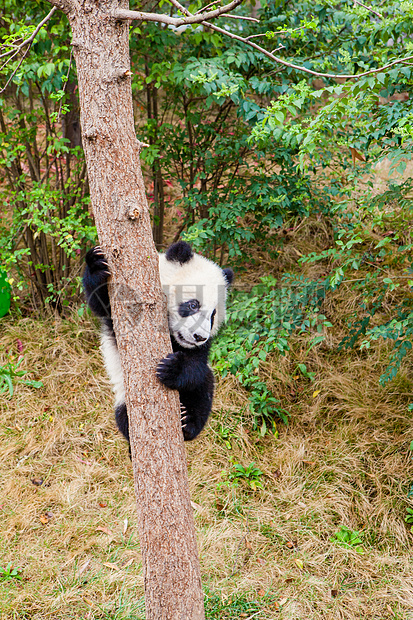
344, 460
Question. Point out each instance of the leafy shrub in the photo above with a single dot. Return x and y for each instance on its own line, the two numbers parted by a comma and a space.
250, 476
409, 517
45, 224
259, 324
203, 93
372, 254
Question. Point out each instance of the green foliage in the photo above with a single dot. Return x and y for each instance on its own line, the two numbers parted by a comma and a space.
250, 476
372, 254
5, 293
45, 225
259, 325
226, 433
10, 573
332, 127
302, 368
345, 537
409, 517
342, 41
9, 375
205, 92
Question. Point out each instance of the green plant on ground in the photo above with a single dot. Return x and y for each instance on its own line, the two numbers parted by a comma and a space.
305, 373
250, 476
409, 517
226, 434
349, 538
10, 375
10, 573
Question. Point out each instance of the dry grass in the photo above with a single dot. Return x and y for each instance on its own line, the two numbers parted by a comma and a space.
344, 460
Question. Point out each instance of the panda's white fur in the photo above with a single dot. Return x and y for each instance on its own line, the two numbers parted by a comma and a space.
198, 278
113, 366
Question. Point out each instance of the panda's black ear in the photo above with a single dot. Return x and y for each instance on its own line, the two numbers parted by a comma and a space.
180, 252
229, 275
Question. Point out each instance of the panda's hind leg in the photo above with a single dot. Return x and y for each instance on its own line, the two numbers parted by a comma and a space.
122, 420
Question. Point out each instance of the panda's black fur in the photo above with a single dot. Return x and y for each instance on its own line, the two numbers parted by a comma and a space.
196, 292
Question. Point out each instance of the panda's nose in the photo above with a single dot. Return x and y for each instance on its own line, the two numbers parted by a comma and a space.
199, 338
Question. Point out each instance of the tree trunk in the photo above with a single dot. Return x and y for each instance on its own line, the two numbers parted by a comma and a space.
166, 527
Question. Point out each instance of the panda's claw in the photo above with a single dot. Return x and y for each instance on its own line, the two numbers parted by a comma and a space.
98, 266
169, 370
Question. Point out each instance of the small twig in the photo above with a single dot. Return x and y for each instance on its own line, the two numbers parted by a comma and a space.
369, 9
179, 6
254, 36
253, 615
204, 8
16, 69
142, 145
277, 49
264, 34
13, 46
248, 19
6, 62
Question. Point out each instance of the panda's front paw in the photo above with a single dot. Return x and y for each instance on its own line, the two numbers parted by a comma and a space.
169, 370
97, 263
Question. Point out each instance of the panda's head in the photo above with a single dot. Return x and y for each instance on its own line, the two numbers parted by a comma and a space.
196, 289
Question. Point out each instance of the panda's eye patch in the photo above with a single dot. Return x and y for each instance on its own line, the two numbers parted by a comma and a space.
186, 308
213, 318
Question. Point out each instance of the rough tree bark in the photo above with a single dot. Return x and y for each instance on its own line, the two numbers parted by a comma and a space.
166, 527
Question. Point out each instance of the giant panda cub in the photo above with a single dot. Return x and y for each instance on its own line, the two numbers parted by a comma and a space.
196, 293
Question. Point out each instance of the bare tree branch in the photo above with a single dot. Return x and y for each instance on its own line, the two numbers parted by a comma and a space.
180, 7
201, 18
368, 8
304, 69
29, 41
175, 21
248, 19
